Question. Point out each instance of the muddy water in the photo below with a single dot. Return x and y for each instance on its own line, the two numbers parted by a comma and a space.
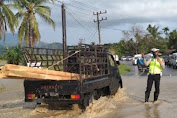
127, 103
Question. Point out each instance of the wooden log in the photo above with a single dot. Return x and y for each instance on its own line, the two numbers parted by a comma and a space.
10, 67
35, 76
2, 76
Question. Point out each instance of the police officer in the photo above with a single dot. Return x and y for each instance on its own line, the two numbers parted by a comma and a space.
156, 64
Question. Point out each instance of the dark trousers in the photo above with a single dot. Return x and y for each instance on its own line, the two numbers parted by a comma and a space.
151, 79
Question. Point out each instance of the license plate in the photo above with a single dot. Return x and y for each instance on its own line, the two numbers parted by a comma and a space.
53, 94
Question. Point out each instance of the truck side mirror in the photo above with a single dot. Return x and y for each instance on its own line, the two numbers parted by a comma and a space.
118, 63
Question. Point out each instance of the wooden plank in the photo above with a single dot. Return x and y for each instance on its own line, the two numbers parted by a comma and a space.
36, 76
2, 76
10, 67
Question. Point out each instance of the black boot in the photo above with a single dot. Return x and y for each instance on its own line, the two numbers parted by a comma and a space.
156, 96
146, 97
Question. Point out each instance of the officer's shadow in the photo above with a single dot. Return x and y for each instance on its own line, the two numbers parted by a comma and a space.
152, 111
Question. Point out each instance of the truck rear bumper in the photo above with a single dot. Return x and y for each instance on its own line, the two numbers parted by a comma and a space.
58, 101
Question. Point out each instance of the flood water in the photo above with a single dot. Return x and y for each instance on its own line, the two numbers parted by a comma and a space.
127, 103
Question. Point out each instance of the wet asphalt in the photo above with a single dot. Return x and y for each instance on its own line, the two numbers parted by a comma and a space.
127, 103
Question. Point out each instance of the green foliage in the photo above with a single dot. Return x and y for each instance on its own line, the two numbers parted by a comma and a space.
7, 19
153, 30
27, 11
124, 69
14, 55
137, 41
2, 57
172, 44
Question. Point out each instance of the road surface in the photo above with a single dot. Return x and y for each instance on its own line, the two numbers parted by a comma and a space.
127, 103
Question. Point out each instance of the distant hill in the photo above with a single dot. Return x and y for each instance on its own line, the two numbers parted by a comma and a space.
12, 41
54, 46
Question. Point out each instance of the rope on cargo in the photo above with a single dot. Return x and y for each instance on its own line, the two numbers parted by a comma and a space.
64, 59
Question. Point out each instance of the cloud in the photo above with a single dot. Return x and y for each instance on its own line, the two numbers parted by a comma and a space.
120, 13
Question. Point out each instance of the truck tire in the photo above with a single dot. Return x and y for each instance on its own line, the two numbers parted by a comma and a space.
106, 91
88, 99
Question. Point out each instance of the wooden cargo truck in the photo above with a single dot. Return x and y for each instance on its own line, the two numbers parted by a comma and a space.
97, 71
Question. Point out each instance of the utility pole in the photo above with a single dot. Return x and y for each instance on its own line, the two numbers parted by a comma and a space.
64, 35
98, 22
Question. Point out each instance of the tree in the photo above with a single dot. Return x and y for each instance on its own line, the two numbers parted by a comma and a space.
173, 39
27, 11
14, 55
133, 37
7, 18
166, 29
153, 31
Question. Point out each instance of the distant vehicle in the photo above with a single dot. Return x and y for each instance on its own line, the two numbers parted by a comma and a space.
174, 60
116, 58
123, 58
165, 57
169, 62
135, 58
129, 58
149, 55
141, 66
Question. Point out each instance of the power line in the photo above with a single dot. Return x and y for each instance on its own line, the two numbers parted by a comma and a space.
87, 27
75, 19
85, 5
113, 29
98, 20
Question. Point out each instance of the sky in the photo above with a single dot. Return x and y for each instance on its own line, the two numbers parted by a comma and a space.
121, 15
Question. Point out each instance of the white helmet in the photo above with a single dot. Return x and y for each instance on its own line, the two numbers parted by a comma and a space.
154, 49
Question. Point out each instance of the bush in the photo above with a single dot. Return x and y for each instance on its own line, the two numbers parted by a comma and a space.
14, 55
2, 56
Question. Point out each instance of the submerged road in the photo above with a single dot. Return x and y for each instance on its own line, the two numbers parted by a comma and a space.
127, 103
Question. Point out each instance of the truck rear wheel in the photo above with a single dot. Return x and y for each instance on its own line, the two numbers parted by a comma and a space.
88, 98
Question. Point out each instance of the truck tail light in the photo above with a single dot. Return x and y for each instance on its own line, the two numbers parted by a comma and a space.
31, 96
75, 96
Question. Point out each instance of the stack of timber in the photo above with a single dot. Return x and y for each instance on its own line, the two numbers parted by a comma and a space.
28, 73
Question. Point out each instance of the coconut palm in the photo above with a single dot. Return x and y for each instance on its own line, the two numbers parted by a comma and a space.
27, 11
173, 39
7, 19
154, 31
166, 29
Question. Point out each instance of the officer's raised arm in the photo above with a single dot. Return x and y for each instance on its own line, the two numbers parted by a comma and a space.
161, 61
146, 63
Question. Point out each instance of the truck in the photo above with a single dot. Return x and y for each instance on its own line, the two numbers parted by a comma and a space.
98, 75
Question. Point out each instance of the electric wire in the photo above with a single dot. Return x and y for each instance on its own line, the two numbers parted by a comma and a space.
85, 5
90, 29
85, 28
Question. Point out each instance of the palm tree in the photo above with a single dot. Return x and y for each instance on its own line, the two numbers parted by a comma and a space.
7, 18
153, 31
173, 39
27, 11
166, 29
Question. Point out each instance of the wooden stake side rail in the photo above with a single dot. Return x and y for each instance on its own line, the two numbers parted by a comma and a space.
29, 73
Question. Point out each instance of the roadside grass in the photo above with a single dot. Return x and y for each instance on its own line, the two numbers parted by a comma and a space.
124, 69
